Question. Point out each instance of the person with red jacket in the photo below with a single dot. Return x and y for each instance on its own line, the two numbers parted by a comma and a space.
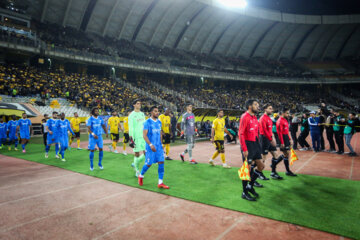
268, 143
250, 147
282, 127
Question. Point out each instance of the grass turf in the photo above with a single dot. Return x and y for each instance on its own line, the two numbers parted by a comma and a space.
322, 203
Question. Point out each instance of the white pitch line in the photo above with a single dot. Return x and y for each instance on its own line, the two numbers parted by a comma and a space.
49, 192
27, 172
41, 180
305, 163
63, 211
223, 234
134, 221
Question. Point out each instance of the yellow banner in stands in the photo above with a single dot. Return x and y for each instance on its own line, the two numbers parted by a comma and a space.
10, 112
55, 104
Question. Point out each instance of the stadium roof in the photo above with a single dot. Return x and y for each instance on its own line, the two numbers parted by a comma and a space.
205, 26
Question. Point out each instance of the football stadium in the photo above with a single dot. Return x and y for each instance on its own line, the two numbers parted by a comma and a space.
179, 119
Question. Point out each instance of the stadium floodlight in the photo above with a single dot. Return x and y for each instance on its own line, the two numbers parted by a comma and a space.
233, 3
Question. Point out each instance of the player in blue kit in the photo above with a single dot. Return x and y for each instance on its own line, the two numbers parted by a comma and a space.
11, 129
63, 126
154, 152
52, 135
25, 128
3, 129
95, 126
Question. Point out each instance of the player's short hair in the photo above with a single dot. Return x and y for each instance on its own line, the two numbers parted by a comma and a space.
43, 120
45, 115
266, 105
136, 101
153, 107
219, 110
75, 113
285, 109
23, 113
352, 113
113, 111
249, 102
54, 112
93, 110
188, 104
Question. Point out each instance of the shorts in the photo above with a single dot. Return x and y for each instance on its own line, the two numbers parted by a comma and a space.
77, 135
154, 157
266, 145
219, 144
50, 139
115, 136
25, 135
93, 142
166, 138
64, 142
13, 138
126, 138
190, 139
286, 143
139, 144
254, 150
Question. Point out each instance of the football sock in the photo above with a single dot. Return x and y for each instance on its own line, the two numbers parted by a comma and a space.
190, 151
222, 156
135, 161
144, 169
91, 159
101, 155
23, 146
244, 184
167, 149
62, 152
124, 145
47, 148
286, 163
161, 171
57, 149
70, 141
254, 175
216, 153
16, 143
78, 143
114, 146
138, 161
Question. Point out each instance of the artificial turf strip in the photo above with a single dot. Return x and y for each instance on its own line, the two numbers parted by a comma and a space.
326, 204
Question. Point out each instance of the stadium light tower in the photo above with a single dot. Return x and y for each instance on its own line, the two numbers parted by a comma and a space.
233, 3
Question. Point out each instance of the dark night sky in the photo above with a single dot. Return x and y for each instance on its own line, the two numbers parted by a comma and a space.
317, 7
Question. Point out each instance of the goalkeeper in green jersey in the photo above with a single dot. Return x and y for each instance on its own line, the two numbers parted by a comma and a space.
136, 127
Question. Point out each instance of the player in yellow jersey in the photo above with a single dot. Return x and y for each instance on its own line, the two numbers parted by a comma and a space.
166, 130
217, 138
126, 132
114, 126
75, 125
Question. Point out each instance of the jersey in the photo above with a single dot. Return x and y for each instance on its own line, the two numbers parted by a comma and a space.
113, 122
165, 123
63, 126
95, 125
154, 134
3, 129
11, 127
51, 124
75, 123
219, 127
24, 125
188, 124
126, 125
136, 124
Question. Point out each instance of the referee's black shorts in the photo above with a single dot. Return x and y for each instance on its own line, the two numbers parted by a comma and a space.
286, 143
254, 150
266, 145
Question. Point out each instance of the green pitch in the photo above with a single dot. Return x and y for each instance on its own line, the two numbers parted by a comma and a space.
327, 204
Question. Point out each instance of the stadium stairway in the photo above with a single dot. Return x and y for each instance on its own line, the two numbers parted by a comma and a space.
147, 94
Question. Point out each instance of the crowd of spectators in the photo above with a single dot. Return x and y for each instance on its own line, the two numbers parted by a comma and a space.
86, 91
